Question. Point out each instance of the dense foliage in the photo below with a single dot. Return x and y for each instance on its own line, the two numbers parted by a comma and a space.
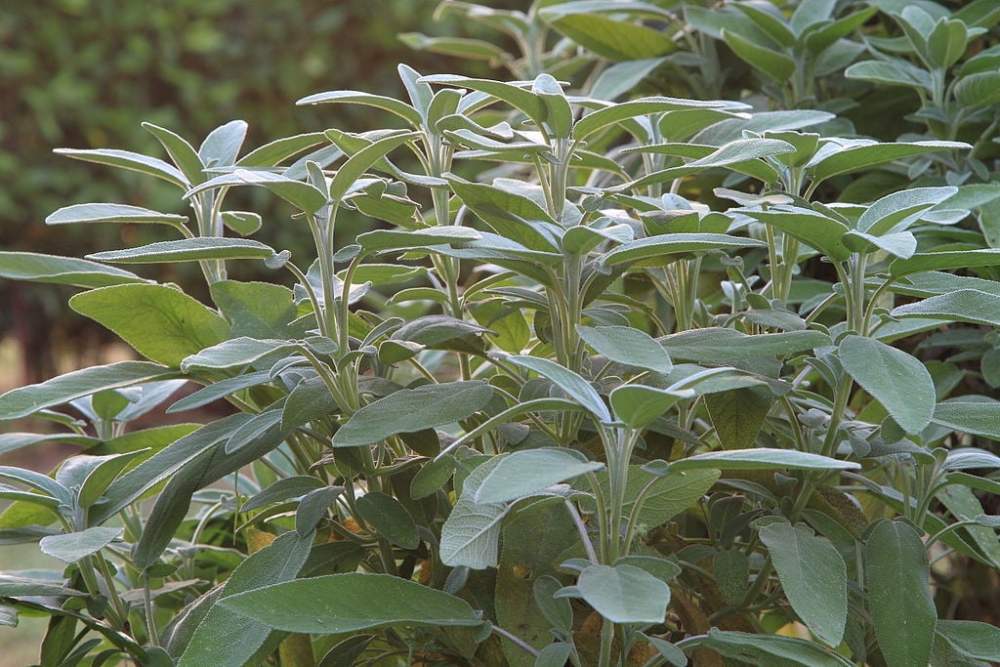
86, 73
610, 377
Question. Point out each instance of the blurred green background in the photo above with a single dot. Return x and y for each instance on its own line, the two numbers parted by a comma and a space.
85, 73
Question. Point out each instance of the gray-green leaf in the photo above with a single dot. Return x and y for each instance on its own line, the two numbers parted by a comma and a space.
624, 593
340, 603
900, 382
899, 599
813, 576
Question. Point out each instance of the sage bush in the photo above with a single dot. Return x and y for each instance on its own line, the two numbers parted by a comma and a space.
656, 350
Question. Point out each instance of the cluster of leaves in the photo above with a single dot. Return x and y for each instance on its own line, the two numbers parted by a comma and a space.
87, 72
671, 379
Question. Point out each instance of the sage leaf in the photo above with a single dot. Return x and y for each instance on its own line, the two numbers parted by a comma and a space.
27, 400
624, 593
411, 410
163, 324
570, 382
35, 267
899, 600
187, 250
813, 576
339, 603
524, 473
71, 547
761, 458
627, 346
894, 378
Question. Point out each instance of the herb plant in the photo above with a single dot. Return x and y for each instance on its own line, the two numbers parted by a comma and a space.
612, 377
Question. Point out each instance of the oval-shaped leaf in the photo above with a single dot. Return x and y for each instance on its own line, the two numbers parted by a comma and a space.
900, 382
903, 613
524, 473
628, 346
340, 603
161, 323
624, 593
411, 410
570, 382
71, 547
813, 575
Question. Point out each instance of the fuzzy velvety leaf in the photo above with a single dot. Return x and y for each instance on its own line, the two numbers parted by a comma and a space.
398, 239
899, 600
255, 309
228, 638
680, 243
222, 145
470, 536
411, 410
302, 196
967, 305
896, 211
761, 458
38, 268
813, 576
531, 471
27, 400
180, 151
616, 113
275, 152
390, 104
867, 155
628, 346
534, 538
570, 382
624, 593
638, 405
363, 160
461, 47
187, 250
978, 417
738, 415
663, 496
520, 98
389, 518
946, 260
773, 64
161, 323
130, 161
607, 36
120, 213
18, 586
740, 155
973, 639
900, 382
980, 89
235, 352
819, 231
71, 547
340, 603
163, 464
760, 353
890, 73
